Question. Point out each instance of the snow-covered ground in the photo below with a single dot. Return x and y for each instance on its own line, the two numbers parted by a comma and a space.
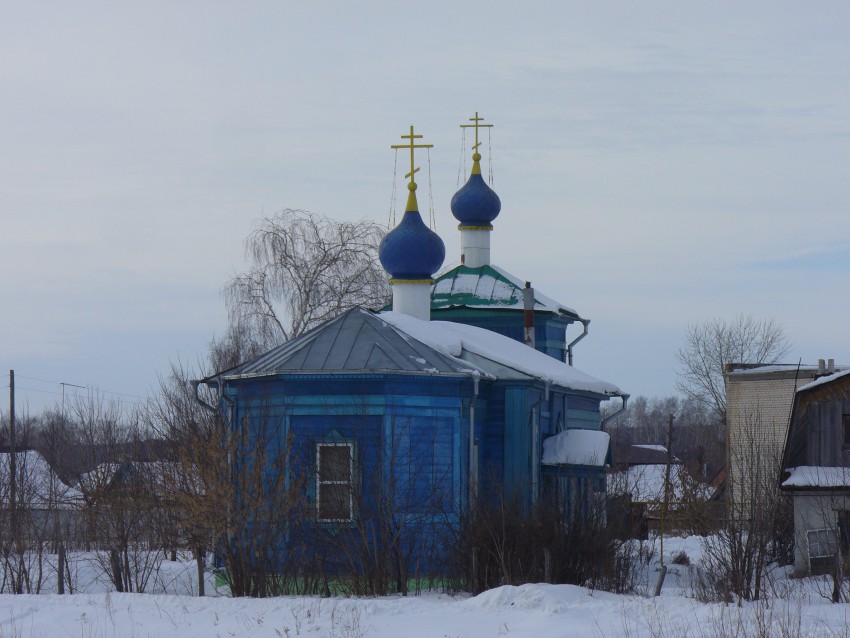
799, 607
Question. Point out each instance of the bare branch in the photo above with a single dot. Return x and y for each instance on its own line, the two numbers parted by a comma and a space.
305, 269
710, 346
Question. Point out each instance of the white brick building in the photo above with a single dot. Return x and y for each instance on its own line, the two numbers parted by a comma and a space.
759, 399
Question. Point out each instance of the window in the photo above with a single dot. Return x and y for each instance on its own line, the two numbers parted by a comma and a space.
822, 549
334, 473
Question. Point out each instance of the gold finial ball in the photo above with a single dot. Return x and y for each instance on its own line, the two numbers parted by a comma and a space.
476, 157
411, 186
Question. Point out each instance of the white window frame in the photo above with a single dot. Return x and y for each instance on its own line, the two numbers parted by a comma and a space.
320, 483
830, 544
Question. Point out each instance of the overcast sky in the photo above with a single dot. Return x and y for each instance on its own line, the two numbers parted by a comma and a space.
658, 163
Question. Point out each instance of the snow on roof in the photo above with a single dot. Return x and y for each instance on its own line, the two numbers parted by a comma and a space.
482, 346
774, 367
645, 483
805, 370
38, 485
547, 301
648, 446
576, 447
162, 477
825, 379
811, 476
488, 287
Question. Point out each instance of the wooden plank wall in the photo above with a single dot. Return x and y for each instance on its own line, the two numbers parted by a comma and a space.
825, 434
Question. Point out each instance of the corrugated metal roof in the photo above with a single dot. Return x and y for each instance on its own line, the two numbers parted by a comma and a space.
356, 341
487, 287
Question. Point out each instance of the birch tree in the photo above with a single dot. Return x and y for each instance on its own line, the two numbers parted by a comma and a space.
304, 269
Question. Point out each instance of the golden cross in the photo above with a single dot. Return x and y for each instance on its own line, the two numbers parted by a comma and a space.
475, 124
411, 146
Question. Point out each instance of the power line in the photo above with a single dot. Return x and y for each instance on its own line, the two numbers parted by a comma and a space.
21, 387
58, 393
72, 385
22, 376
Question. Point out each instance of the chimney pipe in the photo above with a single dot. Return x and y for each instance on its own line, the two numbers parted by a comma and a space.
528, 313
821, 366
830, 365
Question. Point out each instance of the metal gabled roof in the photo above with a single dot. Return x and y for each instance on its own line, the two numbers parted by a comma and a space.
488, 287
495, 355
356, 341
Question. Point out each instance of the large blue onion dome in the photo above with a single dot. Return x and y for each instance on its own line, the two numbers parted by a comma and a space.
476, 204
412, 250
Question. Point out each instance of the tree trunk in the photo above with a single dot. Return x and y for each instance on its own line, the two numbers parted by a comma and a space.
117, 576
60, 570
199, 557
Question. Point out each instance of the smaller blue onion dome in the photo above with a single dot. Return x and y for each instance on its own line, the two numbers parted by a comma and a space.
476, 204
412, 250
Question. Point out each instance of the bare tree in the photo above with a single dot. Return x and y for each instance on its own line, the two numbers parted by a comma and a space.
229, 488
237, 345
43, 509
305, 269
709, 346
500, 542
121, 491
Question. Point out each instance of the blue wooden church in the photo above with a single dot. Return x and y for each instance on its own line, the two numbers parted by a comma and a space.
438, 406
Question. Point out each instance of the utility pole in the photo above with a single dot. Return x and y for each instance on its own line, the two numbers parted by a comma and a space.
663, 572
12, 460
17, 583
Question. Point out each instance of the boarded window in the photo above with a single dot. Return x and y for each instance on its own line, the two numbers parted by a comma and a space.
845, 421
334, 472
844, 530
822, 550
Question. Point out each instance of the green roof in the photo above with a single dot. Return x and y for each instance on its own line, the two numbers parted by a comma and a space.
488, 287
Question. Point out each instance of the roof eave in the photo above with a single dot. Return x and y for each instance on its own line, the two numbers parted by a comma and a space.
351, 373
815, 488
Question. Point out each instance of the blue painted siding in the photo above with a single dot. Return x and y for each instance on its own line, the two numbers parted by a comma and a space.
517, 444
408, 436
582, 411
410, 440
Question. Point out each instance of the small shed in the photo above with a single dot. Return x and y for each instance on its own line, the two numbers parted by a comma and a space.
47, 508
816, 471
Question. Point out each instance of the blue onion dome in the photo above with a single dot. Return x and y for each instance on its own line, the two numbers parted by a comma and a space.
476, 204
412, 250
